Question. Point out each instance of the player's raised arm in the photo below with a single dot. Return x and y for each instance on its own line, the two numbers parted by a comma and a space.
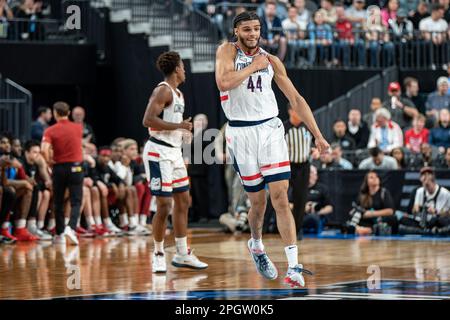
226, 77
160, 98
297, 102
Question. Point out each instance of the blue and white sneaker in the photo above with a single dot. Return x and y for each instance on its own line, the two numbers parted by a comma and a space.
262, 262
294, 276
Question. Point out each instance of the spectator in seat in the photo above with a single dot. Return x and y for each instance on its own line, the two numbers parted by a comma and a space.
318, 204
446, 5
336, 154
280, 11
402, 109
357, 129
16, 148
420, 14
324, 160
412, 93
409, 6
417, 135
439, 99
329, 10
295, 31
385, 133
445, 163
30, 10
378, 38
345, 40
272, 37
378, 161
341, 136
376, 207
425, 158
78, 116
434, 28
389, 12
402, 28
320, 35
375, 104
430, 209
399, 155
5, 15
440, 136
356, 14
303, 14
41, 123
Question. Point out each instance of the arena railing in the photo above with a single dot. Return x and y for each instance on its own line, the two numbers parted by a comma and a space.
357, 98
15, 109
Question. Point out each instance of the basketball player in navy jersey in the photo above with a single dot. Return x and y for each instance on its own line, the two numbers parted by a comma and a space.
255, 136
164, 165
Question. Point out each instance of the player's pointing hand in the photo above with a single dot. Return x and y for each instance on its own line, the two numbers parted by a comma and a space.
186, 124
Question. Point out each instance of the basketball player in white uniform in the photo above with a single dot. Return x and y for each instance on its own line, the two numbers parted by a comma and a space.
164, 165
255, 136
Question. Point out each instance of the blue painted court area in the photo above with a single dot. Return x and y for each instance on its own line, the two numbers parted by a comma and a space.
388, 289
336, 234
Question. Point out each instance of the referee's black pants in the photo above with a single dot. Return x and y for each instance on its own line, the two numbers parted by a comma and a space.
67, 175
299, 184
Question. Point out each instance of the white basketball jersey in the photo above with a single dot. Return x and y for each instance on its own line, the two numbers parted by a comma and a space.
172, 113
254, 98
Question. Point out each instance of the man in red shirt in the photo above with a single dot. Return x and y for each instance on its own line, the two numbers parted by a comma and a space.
65, 139
417, 135
345, 39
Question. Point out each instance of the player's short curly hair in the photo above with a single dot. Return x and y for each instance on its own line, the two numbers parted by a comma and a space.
167, 62
245, 16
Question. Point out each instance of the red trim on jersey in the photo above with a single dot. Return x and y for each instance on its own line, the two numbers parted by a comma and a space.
253, 177
275, 165
180, 180
224, 98
166, 184
247, 53
153, 154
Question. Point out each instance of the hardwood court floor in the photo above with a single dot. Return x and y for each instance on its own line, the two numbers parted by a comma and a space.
121, 266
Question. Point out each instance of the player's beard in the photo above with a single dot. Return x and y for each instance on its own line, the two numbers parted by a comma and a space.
245, 43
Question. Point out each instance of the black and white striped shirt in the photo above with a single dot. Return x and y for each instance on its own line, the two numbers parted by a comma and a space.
298, 141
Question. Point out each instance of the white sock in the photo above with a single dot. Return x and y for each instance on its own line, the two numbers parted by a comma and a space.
40, 224
5, 225
31, 224
257, 244
66, 221
107, 221
143, 220
123, 220
21, 223
181, 245
134, 220
90, 221
98, 220
292, 255
51, 224
159, 246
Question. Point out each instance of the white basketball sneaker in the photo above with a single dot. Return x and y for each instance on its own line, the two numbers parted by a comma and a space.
188, 261
158, 262
70, 236
294, 276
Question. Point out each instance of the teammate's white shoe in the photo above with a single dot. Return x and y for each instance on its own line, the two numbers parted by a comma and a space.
114, 229
294, 276
188, 261
158, 262
70, 236
42, 235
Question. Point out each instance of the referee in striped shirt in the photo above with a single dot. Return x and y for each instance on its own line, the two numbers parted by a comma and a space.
298, 140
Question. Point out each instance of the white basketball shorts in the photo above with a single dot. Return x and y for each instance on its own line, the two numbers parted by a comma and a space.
165, 169
259, 152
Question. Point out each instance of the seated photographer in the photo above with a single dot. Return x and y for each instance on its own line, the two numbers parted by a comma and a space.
373, 212
430, 210
318, 205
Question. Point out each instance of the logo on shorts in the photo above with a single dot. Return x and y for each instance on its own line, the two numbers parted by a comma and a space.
155, 184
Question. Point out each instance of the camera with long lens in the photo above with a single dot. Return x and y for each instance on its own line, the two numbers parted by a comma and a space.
242, 219
356, 214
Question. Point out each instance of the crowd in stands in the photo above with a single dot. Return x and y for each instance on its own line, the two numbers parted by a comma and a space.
350, 32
